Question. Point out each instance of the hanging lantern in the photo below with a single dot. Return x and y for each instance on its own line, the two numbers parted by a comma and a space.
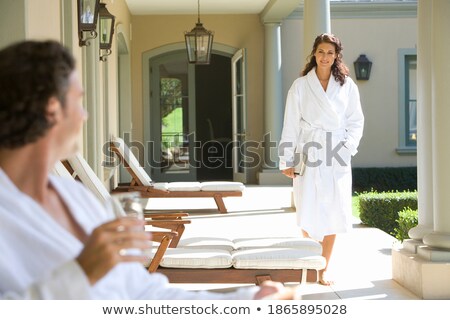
87, 20
106, 31
199, 43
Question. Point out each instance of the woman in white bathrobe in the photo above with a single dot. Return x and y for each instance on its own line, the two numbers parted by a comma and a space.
323, 124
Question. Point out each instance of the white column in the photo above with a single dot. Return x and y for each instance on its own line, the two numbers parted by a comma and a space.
273, 99
440, 238
92, 138
316, 19
424, 122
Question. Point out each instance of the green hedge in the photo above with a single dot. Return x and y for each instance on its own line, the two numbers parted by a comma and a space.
407, 219
384, 179
380, 210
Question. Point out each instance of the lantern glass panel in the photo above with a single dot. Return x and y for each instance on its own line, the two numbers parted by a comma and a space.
88, 12
105, 30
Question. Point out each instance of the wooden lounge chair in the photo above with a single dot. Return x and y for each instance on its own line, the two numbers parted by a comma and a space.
76, 167
216, 260
142, 182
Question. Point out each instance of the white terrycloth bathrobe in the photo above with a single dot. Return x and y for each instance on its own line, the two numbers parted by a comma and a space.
327, 126
37, 254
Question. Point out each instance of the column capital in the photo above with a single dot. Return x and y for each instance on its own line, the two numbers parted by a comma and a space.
272, 23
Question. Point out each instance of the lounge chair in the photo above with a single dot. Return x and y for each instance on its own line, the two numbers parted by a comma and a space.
142, 182
249, 260
76, 167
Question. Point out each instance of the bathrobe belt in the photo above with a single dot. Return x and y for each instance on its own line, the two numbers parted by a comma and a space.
317, 153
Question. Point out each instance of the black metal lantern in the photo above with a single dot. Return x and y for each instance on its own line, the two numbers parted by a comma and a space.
87, 20
199, 43
106, 28
362, 67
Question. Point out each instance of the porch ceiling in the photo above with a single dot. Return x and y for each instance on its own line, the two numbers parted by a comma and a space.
163, 7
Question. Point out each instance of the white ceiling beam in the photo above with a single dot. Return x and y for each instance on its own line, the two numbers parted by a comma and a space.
277, 10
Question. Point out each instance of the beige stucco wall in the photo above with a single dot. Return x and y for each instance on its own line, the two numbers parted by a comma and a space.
380, 40
29, 19
12, 21
238, 31
39, 25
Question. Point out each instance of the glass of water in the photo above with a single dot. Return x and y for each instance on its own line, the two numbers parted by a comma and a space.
128, 204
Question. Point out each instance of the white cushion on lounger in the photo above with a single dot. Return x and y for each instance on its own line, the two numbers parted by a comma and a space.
196, 258
206, 243
161, 186
184, 186
277, 258
222, 186
311, 245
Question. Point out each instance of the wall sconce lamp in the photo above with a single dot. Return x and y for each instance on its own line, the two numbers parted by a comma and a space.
199, 43
362, 67
87, 20
106, 31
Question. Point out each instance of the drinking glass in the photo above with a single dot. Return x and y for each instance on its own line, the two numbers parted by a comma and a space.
128, 204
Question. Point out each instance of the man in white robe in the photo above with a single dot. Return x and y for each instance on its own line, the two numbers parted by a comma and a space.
38, 254
56, 240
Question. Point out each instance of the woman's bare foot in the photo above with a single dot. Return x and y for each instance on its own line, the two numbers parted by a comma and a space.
324, 280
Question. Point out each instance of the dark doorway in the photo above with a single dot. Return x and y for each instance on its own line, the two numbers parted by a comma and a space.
213, 119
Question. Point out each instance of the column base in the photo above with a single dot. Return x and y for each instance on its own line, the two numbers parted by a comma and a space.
272, 177
425, 278
419, 231
438, 240
411, 245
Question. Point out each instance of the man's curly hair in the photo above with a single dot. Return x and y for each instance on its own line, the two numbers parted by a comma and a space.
338, 69
31, 72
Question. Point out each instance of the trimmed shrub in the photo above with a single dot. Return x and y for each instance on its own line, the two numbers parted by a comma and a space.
384, 179
380, 210
407, 219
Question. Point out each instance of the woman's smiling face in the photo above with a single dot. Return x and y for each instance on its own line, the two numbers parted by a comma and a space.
325, 55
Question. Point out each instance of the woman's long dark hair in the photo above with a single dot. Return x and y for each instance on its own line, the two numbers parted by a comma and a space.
338, 69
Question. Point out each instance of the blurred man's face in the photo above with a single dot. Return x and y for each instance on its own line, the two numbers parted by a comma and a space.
72, 117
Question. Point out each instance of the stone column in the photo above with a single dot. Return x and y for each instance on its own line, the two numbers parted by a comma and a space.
424, 123
425, 270
316, 19
440, 238
273, 99
92, 138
